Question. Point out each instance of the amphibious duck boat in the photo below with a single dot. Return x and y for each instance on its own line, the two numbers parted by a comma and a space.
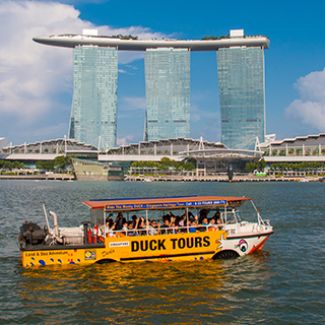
147, 229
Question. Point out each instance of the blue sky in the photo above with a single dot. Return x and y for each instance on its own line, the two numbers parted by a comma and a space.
36, 80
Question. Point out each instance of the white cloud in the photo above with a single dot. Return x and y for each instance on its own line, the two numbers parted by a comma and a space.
310, 107
75, 2
34, 78
204, 123
124, 68
125, 140
134, 103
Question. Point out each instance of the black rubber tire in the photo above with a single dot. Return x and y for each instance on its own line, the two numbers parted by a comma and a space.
105, 261
225, 255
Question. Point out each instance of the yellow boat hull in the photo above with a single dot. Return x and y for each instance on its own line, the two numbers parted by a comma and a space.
166, 247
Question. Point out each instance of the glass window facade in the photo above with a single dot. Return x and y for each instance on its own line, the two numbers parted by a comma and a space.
167, 73
94, 104
242, 102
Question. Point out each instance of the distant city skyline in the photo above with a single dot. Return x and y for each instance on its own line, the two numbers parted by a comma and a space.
167, 79
36, 82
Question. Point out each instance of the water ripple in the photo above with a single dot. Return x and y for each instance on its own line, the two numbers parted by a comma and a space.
283, 285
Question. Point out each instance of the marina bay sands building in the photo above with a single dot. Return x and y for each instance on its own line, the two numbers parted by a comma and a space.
167, 72
240, 61
94, 103
242, 103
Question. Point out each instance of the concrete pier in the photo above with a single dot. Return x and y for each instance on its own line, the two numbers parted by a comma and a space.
54, 176
222, 178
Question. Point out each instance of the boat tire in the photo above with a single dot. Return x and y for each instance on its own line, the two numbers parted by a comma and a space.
105, 261
225, 255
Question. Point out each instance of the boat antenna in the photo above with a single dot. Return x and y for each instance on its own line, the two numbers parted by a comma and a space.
259, 217
46, 217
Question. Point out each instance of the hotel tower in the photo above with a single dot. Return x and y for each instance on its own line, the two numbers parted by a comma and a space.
94, 103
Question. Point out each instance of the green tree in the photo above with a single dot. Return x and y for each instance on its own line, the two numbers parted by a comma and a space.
261, 165
62, 163
9, 165
45, 164
250, 166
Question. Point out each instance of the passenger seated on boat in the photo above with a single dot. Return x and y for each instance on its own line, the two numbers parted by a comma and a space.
203, 225
192, 226
125, 226
134, 220
131, 231
204, 221
154, 228
120, 220
166, 224
212, 225
172, 224
191, 216
110, 227
141, 225
180, 221
217, 216
202, 214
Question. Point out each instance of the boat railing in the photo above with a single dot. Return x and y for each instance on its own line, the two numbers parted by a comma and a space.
99, 238
230, 227
151, 231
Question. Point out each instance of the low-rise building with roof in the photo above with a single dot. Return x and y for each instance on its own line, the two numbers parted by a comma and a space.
49, 150
309, 148
210, 157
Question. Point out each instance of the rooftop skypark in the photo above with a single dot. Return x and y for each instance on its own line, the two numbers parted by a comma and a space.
132, 43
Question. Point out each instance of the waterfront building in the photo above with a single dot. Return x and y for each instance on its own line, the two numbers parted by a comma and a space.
309, 148
211, 158
49, 150
242, 94
94, 104
167, 73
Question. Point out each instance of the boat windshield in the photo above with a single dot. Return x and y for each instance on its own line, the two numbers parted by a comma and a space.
230, 216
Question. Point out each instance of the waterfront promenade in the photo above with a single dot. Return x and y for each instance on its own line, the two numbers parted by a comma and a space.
48, 177
219, 178
165, 178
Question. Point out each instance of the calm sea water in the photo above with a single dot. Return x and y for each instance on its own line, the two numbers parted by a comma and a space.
284, 285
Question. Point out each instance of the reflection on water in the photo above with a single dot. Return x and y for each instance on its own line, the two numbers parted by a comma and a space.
284, 286
150, 292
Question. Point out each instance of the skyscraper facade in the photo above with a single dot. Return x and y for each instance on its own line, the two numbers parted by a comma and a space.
242, 99
94, 104
167, 74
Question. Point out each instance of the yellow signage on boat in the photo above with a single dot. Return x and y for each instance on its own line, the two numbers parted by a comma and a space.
182, 246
